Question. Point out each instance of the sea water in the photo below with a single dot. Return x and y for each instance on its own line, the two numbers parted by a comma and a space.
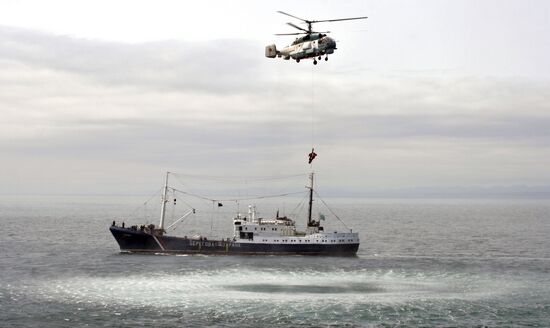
444, 263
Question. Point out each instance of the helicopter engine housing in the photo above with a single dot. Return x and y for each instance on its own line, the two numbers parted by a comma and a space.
271, 51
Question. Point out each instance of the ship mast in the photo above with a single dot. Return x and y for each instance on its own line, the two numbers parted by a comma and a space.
164, 201
310, 199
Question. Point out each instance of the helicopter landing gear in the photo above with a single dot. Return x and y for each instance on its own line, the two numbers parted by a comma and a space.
298, 60
326, 58
319, 57
315, 62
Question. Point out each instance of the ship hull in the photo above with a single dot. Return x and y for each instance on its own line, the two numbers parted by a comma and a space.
136, 241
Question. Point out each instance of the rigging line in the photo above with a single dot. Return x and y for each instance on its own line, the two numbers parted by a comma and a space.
173, 205
330, 210
238, 179
212, 217
179, 179
144, 203
194, 195
300, 210
236, 199
182, 221
184, 202
153, 196
266, 196
295, 211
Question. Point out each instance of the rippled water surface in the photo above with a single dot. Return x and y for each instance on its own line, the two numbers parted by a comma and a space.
445, 263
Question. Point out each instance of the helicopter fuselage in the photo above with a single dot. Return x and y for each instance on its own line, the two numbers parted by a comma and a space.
309, 46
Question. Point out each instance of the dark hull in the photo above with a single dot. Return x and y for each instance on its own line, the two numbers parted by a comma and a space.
136, 241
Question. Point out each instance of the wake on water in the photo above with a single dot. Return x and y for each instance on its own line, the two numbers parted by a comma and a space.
226, 285
272, 296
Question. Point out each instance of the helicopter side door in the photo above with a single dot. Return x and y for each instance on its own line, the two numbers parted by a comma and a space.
310, 48
315, 46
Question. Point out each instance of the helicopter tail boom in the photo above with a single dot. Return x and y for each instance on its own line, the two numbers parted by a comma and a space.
271, 51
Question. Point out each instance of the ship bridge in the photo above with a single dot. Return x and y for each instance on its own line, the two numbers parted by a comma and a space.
282, 230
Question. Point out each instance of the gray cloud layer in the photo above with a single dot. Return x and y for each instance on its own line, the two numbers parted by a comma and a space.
157, 65
98, 112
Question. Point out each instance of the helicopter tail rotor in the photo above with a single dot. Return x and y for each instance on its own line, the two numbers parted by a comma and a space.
271, 51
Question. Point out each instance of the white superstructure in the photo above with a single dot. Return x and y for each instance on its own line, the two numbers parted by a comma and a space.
282, 230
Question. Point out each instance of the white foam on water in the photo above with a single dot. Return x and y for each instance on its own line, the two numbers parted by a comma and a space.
228, 286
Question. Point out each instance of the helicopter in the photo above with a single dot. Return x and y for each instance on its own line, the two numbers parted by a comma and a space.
311, 45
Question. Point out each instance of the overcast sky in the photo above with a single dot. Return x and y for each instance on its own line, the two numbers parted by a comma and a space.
105, 96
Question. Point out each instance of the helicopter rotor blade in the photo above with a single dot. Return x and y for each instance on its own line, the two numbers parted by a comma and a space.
297, 27
291, 33
282, 12
317, 32
302, 33
339, 19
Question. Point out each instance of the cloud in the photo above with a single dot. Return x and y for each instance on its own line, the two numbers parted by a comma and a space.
106, 106
163, 65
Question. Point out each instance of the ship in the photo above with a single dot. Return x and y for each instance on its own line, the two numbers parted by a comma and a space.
252, 235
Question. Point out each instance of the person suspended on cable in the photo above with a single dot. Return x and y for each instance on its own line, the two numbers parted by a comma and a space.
312, 155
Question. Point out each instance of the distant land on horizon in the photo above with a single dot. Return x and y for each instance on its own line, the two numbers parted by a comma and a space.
493, 192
